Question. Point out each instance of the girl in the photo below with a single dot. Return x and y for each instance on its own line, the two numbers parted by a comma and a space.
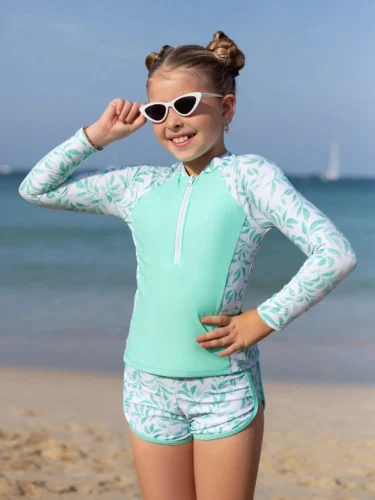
193, 394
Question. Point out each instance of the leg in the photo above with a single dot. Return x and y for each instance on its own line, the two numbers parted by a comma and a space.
165, 472
227, 467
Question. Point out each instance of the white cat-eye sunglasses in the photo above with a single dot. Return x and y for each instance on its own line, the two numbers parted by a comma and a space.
183, 105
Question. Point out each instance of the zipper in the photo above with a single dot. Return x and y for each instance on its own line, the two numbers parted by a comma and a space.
181, 220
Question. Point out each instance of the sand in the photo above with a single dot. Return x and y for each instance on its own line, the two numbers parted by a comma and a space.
64, 433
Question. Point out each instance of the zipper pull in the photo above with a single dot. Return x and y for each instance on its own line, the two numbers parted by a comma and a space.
191, 180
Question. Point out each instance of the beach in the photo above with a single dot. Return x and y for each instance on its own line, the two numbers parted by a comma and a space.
63, 432
67, 290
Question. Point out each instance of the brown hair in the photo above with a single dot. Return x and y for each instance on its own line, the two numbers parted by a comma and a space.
219, 62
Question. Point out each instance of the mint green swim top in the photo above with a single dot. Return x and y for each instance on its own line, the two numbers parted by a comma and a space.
196, 238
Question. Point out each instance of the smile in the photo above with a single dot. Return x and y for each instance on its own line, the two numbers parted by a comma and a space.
182, 141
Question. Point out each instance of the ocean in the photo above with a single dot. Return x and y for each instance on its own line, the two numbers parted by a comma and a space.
67, 284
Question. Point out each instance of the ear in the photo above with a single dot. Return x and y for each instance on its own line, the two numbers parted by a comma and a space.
228, 107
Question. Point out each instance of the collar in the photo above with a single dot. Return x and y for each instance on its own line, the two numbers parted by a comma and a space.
211, 167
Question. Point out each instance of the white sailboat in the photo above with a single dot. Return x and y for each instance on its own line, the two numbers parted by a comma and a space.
333, 171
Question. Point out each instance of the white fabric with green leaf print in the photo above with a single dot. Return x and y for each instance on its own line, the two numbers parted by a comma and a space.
196, 239
173, 410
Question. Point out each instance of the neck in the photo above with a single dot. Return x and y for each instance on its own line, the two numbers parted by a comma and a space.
196, 166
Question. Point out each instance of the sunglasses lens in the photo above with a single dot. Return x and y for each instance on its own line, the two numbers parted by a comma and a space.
156, 112
185, 104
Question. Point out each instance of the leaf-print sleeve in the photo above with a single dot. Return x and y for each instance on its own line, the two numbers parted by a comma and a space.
52, 184
330, 255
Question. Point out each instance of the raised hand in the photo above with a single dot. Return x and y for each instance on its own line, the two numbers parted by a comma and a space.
119, 120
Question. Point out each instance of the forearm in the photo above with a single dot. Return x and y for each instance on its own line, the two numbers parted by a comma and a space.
319, 275
54, 168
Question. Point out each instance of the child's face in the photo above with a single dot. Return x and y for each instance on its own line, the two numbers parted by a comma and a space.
206, 121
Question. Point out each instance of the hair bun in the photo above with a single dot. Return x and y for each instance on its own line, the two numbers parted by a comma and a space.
152, 58
227, 52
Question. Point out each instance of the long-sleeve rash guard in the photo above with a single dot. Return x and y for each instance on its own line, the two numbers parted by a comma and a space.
196, 238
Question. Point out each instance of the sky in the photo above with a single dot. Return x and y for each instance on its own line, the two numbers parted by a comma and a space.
309, 77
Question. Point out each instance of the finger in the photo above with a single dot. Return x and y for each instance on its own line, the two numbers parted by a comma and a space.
139, 121
233, 348
133, 113
111, 110
119, 104
213, 334
217, 342
125, 110
221, 320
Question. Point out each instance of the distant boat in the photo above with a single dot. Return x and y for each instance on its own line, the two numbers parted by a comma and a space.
333, 171
5, 169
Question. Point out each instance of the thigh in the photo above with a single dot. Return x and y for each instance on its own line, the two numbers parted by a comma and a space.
151, 409
228, 467
165, 472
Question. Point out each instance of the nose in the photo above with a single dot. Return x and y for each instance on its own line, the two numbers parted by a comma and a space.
173, 120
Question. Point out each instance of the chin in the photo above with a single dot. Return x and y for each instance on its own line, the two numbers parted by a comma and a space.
188, 156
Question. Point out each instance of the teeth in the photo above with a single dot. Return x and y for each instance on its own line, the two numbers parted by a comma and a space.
180, 139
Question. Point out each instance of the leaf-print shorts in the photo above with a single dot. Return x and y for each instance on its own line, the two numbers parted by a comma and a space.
173, 410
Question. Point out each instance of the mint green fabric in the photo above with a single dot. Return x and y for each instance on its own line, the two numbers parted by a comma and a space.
173, 297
